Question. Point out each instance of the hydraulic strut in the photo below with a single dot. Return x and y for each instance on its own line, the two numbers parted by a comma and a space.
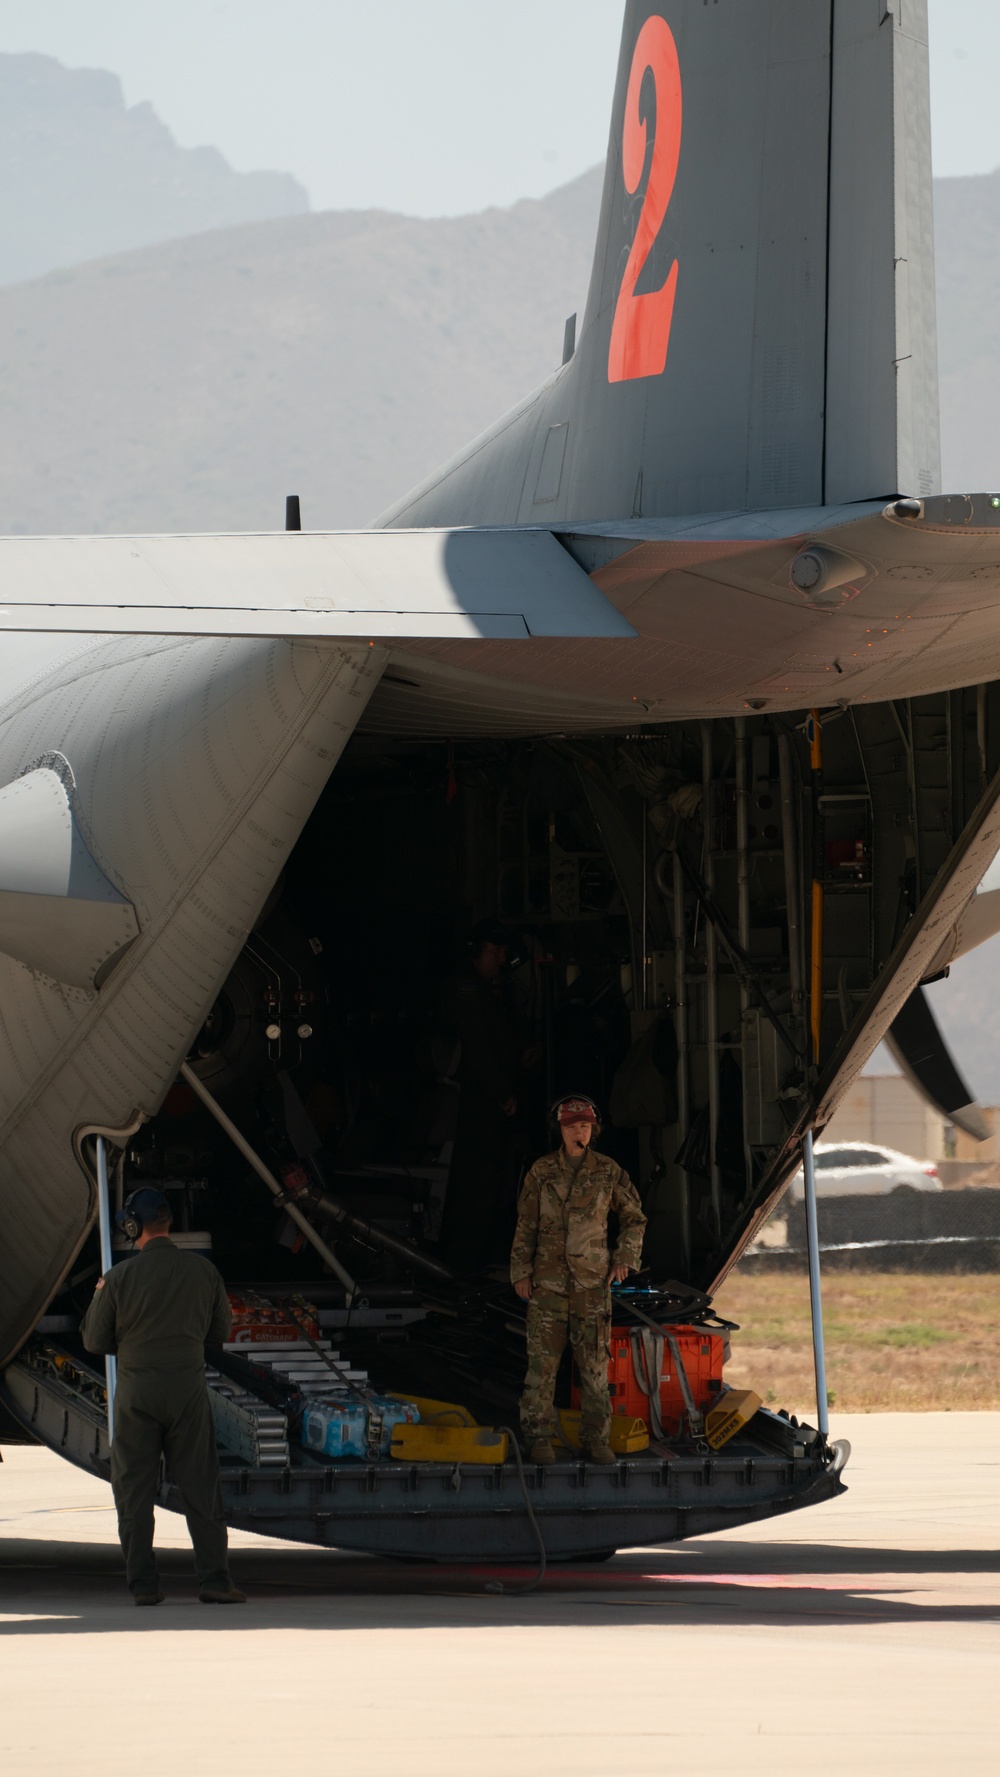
321, 1201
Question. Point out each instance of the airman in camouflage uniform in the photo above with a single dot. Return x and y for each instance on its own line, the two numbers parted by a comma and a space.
561, 1266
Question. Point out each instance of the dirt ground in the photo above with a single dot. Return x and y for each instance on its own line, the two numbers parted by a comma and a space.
894, 1342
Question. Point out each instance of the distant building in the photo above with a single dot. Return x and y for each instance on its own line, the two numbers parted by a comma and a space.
885, 1108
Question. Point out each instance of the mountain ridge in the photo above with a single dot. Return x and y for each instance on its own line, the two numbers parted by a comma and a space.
82, 175
340, 354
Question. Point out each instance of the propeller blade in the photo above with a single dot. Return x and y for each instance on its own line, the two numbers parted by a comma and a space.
922, 1053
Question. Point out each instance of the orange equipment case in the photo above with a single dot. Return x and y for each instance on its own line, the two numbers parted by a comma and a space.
703, 1351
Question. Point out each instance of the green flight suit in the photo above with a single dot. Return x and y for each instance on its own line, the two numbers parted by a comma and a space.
158, 1310
561, 1247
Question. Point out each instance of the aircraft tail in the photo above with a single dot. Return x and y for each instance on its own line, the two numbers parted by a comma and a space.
760, 327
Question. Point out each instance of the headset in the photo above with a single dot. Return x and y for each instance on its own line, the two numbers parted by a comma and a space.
567, 1098
129, 1219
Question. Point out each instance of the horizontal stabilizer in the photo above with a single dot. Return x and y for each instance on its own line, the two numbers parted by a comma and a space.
922, 1053
445, 584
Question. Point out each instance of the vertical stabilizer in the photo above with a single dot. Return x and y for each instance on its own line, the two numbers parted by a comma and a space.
759, 330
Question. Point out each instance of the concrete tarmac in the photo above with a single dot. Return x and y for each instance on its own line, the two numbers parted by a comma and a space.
861, 1636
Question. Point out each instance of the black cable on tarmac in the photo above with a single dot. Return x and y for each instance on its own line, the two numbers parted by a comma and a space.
533, 1585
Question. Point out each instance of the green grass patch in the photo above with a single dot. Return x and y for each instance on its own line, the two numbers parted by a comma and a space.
897, 1342
767, 1331
915, 1336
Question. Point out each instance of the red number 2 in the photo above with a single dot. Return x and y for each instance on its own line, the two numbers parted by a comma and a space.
640, 331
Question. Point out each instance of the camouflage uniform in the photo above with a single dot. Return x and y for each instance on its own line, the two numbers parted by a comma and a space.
561, 1246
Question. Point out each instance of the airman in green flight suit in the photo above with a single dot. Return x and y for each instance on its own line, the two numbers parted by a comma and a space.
158, 1310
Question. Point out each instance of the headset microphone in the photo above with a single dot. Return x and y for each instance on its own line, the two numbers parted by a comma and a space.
575, 1108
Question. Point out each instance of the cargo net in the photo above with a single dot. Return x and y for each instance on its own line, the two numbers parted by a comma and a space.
901, 1230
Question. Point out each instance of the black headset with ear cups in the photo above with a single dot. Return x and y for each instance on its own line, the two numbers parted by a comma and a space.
144, 1204
568, 1098
127, 1219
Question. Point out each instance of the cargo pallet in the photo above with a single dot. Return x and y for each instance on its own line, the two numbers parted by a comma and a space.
468, 1512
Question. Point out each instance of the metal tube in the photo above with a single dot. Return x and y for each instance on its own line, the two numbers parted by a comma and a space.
793, 908
680, 1029
815, 1291
316, 1240
645, 906
711, 980
325, 1205
107, 1260
742, 840
815, 735
816, 971
743, 911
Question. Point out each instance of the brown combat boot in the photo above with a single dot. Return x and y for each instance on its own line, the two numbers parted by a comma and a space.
598, 1452
221, 1595
541, 1451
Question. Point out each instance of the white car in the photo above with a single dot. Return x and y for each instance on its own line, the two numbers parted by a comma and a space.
859, 1169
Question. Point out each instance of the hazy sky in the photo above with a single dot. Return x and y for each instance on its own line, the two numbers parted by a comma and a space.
427, 106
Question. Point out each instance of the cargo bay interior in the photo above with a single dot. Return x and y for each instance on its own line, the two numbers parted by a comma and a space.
654, 888
657, 891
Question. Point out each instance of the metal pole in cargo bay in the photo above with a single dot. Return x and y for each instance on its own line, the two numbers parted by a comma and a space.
814, 735
815, 1297
107, 1260
316, 1240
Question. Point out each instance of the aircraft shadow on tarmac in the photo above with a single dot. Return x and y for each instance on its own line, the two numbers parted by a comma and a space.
78, 1588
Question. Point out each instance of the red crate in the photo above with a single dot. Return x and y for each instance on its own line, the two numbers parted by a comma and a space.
259, 1322
703, 1354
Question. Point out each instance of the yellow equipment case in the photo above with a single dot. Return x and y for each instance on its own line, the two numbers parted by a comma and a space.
732, 1411
448, 1443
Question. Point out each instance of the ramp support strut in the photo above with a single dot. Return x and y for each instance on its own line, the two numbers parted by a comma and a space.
107, 1260
264, 1172
815, 1291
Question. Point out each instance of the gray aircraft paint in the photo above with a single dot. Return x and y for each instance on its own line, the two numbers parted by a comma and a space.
793, 380
196, 764
794, 376
454, 584
723, 626
881, 398
59, 914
